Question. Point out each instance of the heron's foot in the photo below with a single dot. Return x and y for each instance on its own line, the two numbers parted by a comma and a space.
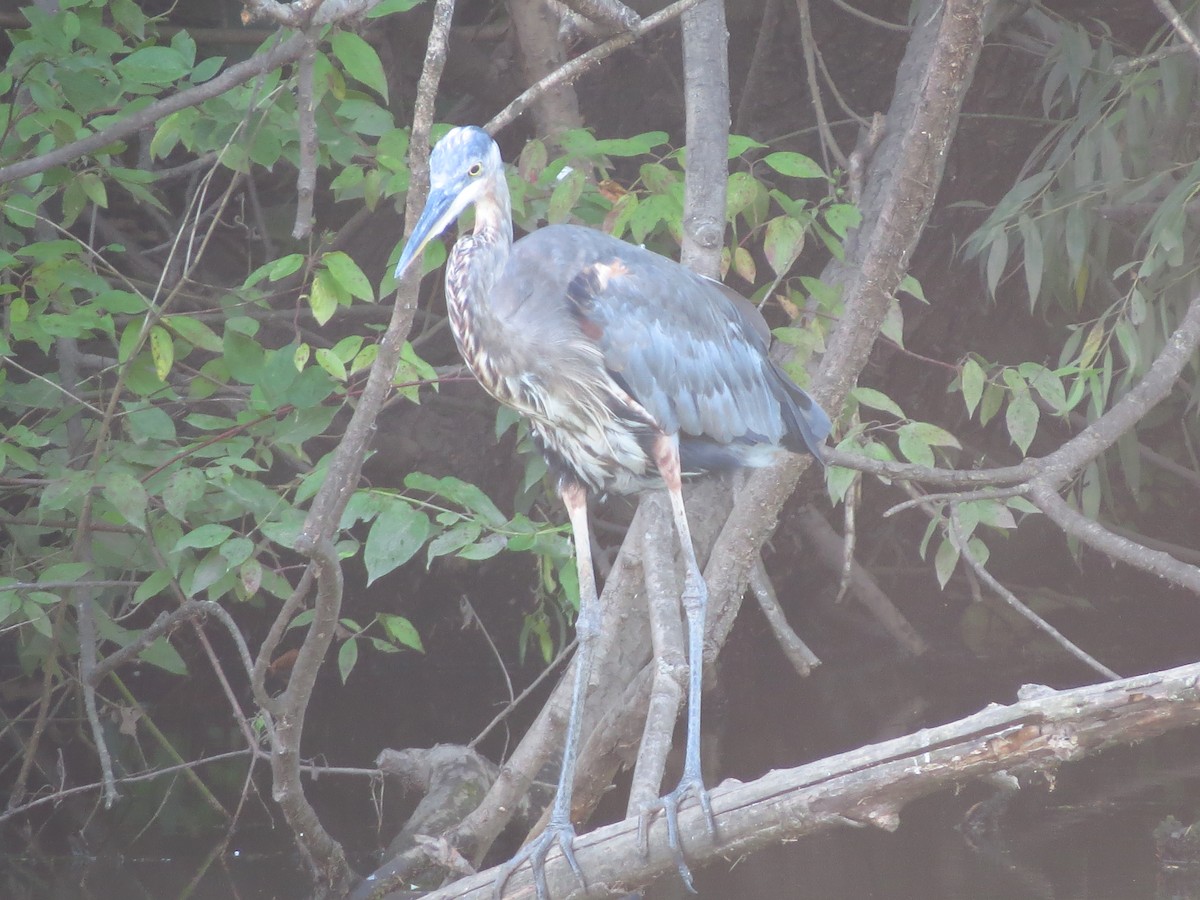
669, 805
560, 833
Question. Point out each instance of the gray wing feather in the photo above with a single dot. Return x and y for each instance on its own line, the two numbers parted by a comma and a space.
686, 352
689, 350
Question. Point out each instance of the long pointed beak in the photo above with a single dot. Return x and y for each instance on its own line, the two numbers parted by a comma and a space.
439, 211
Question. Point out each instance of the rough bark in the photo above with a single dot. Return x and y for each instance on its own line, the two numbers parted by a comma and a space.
871, 785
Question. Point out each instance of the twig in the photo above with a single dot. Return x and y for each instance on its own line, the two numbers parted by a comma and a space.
583, 63
1112, 545
849, 535
998, 493
870, 19
1014, 603
803, 660
164, 623
828, 546
808, 44
758, 63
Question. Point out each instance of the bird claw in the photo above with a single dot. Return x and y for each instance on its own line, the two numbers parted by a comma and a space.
561, 833
669, 805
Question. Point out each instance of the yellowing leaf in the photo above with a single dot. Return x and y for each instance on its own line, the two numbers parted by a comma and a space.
162, 351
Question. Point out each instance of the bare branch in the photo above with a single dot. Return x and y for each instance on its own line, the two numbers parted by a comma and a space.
670, 658
610, 14
1181, 28
706, 97
1096, 536
306, 176
828, 545
542, 53
803, 660
584, 62
871, 785
1021, 609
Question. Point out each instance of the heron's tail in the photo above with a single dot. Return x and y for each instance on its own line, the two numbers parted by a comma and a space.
807, 424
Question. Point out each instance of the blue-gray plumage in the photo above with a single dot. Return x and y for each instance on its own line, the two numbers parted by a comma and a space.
632, 371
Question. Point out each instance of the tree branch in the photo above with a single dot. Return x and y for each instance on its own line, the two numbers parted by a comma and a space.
872, 785
285, 51
585, 62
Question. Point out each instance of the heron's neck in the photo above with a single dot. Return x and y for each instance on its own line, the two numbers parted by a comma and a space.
493, 229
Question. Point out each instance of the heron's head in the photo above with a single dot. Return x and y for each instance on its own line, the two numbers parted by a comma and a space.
462, 166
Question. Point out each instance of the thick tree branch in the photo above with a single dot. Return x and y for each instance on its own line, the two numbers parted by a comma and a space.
316, 538
706, 100
871, 785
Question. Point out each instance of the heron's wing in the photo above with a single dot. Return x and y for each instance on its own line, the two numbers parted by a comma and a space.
685, 351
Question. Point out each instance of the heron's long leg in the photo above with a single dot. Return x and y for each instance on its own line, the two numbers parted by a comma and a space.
560, 830
695, 605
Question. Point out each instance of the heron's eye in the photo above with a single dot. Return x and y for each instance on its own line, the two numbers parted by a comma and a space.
475, 169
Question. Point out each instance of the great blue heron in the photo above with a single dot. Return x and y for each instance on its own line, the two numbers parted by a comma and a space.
632, 371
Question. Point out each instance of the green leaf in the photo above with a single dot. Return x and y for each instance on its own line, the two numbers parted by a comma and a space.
933, 435
401, 631
387, 7
1051, 388
328, 361
893, 324
160, 653
913, 447
237, 550
485, 548
360, 61
452, 540
323, 298
463, 493
565, 195
203, 537
397, 533
782, 243
972, 378
1035, 256
128, 497
154, 584
876, 400
841, 217
1022, 420
153, 65
739, 144
195, 333
347, 658
347, 274
993, 399
72, 571
997, 261
793, 165
743, 264
945, 561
